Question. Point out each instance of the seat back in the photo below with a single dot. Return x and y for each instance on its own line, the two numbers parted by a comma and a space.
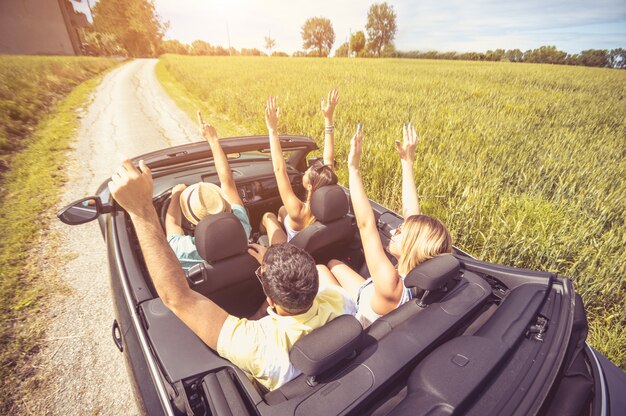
227, 276
329, 204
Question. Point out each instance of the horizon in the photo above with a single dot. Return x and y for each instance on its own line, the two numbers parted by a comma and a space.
448, 26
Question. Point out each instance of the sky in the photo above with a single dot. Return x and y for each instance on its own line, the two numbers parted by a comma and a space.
442, 25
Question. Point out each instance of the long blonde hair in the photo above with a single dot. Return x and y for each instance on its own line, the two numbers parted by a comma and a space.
423, 238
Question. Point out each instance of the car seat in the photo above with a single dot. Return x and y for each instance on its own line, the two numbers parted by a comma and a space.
227, 275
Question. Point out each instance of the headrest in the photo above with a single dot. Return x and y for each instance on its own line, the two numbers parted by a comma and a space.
326, 346
329, 203
220, 236
433, 274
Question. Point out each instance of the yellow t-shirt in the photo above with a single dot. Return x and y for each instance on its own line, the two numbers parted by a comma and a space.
261, 348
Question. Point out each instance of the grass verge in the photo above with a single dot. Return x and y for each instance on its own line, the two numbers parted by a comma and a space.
31, 187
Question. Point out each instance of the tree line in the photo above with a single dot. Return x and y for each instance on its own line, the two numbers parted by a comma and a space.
135, 29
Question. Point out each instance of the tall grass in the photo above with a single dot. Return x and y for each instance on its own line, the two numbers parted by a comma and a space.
38, 119
524, 163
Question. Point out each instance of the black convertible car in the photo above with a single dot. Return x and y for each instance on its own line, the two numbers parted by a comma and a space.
485, 339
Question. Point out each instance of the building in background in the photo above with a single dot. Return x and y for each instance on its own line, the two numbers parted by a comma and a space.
40, 27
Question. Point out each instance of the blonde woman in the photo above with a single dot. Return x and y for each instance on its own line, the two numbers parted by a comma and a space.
416, 240
295, 214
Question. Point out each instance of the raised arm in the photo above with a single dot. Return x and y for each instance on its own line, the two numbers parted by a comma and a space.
384, 274
406, 151
173, 219
224, 173
328, 109
292, 203
132, 189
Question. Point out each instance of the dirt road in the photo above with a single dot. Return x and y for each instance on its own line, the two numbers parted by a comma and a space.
83, 371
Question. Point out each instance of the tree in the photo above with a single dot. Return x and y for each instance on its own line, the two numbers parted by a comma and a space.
381, 27
250, 52
514, 55
545, 55
318, 34
594, 57
617, 58
342, 50
357, 42
135, 24
173, 46
200, 47
269, 44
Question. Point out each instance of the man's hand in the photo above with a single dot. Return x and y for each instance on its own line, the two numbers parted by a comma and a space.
406, 150
132, 188
271, 115
257, 251
355, 148
206, 130
328, 108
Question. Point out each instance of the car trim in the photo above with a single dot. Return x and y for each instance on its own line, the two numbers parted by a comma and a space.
154, 371
601, 376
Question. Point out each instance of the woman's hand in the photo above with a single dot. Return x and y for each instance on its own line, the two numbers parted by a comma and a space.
355, 148
179, 188
271, 115
328, 108
406, 150
206, 130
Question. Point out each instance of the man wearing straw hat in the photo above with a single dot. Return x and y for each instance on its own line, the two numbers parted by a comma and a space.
201, 199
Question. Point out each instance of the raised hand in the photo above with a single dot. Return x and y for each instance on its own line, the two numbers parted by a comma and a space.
328, 108
271, 115
206, 130
132, 187
179, 188
355, 148
406, 149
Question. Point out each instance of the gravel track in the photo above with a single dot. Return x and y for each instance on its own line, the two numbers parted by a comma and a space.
82, 371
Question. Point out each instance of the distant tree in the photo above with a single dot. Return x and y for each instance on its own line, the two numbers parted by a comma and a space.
220, 51
357, 42
269, 44
381, 27
514, 55
233, 52
342, 50
250, 52
200, 47
173, 46
594, 57
617, 58
280, 54
135, 24
545, 55
318, 35
299, 54
495, 56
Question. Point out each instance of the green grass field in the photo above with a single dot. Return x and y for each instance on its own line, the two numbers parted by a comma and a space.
39, 97
524, 163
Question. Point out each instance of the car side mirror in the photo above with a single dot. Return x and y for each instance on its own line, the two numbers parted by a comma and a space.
82, 211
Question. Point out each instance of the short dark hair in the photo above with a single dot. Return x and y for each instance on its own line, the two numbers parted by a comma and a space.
290, 277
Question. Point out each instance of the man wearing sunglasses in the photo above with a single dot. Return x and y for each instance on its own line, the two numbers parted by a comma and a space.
288, 275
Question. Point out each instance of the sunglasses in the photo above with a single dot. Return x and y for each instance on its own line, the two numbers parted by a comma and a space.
259, 274
397, 230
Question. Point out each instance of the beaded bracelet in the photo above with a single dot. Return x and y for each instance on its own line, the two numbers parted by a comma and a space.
330, 128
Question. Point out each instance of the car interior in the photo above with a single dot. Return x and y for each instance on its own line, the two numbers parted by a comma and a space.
476, 324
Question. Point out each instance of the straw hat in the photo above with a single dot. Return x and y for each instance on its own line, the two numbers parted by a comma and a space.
202, 199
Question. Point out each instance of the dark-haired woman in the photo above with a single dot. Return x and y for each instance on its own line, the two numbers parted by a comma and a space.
296, 214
